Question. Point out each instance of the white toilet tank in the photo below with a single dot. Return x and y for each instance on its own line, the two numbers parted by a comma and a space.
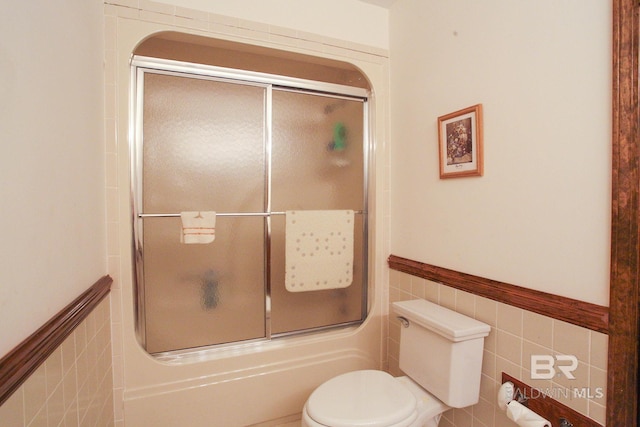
441, 350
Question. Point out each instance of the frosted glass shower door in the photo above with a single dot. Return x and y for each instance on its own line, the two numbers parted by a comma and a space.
203, 150
318, 163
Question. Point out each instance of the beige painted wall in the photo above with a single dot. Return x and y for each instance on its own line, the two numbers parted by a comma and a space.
539, 217
53, 243
348, 20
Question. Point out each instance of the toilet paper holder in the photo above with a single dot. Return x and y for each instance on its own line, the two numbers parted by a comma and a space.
515, 404
507, 393
565, 423
545, 405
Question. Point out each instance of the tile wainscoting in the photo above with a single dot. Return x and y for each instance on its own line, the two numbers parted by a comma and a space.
74, 386
515, 335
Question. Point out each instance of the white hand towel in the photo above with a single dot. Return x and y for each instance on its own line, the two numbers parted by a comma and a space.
319, 250
198, 227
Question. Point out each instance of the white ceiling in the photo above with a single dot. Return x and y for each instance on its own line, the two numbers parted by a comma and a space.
383, 3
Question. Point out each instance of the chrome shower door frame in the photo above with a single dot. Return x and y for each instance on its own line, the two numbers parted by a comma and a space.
143, 65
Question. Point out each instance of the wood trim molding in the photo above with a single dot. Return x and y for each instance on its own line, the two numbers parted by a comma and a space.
624, 300
22, 361
587, 315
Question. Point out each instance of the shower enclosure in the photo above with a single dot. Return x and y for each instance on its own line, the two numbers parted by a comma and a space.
249, 146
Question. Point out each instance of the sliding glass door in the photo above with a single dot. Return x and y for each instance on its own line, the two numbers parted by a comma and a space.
249, 151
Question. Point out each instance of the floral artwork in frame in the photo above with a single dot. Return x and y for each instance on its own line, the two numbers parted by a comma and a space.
460, 143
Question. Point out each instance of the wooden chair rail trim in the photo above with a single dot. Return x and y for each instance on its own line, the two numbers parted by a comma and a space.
580, 313
17, 365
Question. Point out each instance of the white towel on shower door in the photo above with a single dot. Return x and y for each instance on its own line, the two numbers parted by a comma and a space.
318, 250
198, 227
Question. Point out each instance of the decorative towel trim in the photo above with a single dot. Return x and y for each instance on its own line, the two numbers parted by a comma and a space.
198, 227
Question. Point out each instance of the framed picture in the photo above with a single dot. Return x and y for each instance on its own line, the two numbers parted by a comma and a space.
460, 143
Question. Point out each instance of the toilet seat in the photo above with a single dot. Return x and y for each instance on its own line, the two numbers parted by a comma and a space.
362, 398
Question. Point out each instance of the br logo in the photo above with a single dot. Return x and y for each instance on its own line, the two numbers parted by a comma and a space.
543, 366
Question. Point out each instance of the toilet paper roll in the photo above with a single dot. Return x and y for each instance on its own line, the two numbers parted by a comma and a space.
524, 416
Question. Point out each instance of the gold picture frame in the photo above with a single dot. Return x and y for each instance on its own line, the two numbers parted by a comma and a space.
460, 143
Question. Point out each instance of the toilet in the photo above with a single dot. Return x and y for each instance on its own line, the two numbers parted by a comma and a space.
441, 355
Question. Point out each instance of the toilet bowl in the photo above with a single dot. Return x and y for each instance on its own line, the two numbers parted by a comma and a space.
372, 399
441, 354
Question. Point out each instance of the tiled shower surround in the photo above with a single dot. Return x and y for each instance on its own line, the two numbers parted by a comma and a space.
515, 335
183, 20
74, 386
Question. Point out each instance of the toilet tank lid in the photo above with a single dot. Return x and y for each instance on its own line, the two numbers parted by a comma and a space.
448, 323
